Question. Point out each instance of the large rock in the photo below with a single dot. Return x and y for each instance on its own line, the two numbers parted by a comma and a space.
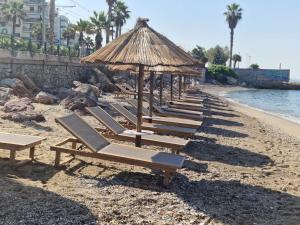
17, 86
78, 101
64, 92
20, 110
29, 84
45, 98
24, 116
5, 94
88, 90
231, 80
18, 105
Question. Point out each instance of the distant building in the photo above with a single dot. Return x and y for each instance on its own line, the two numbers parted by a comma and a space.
35, 11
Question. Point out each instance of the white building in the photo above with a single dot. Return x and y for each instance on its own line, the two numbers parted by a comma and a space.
36, 12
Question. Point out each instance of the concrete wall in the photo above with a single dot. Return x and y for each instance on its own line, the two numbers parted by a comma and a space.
44, 70
262, 77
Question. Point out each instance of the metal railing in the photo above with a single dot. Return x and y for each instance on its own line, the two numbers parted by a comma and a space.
33, 46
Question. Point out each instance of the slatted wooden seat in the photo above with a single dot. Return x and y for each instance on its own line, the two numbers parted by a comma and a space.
100, 148
162, 112
17, 142
158, 128
173, 121
181, 105
172, 109
121, 133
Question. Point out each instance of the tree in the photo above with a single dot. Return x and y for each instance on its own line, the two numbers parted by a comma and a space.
37, 32
51, 22
120, 15
233, 16
13, 11
99, 22
82, 26
236, 58
69, 33
110, 4
218, 55
254, 66
200, 54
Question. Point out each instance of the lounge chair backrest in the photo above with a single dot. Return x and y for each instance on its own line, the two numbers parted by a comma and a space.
121, 88
134, 103
128, 115
129, 87
155, 107
83, 132
101, 115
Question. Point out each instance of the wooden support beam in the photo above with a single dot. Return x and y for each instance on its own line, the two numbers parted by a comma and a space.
151, 95
161, 89
140, 104
171, 88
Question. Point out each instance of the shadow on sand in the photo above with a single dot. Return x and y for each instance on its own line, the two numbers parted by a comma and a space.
230, 202
209, 151
23, 204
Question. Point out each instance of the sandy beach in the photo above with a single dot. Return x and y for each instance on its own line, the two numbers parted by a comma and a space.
243, 168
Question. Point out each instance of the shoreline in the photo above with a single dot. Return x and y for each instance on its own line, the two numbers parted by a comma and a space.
286, 125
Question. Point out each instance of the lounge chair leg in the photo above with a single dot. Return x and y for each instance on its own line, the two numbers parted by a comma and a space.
57, 159
167, 178
12, 157
73, 145
138, 141
31, 153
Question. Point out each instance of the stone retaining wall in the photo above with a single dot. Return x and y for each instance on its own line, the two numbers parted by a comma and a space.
44, 70
262, 77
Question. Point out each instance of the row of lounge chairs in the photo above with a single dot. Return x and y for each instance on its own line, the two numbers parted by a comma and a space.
88, 141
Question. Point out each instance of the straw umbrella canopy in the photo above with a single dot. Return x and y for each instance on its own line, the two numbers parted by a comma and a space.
141, 46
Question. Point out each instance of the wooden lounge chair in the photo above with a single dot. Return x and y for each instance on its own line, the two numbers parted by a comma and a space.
124, 91
172, 121
162, 112
100, 148
158, 128
17, 142
122, 134
173, 109
198, 107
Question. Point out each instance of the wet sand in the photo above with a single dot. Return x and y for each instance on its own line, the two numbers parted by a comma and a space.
239, 170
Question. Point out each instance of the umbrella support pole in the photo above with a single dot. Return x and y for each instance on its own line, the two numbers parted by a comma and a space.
180, 86
171, 88
161, 89
140, 101
151, 96
138, 141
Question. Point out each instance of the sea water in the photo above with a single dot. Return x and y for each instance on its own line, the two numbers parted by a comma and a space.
284, 103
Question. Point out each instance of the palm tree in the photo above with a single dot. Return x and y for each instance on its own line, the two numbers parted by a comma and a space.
13, 11
37, 32
69, 33
120, 15
82, 26
233, 16
236, 58
99, 22
110, 4
51, 22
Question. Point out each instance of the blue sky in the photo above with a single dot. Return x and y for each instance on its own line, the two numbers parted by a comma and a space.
268, 34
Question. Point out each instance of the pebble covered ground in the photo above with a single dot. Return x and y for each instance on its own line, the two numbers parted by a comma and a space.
237, 171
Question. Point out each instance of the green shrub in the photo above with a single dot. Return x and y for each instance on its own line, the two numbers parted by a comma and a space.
220, 73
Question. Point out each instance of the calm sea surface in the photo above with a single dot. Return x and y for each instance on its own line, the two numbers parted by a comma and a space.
284, 103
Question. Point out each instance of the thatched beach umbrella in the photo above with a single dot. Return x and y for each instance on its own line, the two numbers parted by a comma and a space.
159, 70
142, 47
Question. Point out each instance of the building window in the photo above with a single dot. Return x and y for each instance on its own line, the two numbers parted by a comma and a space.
31, 8
17, 35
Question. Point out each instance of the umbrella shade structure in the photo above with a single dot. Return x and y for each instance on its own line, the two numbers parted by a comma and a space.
142, 47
